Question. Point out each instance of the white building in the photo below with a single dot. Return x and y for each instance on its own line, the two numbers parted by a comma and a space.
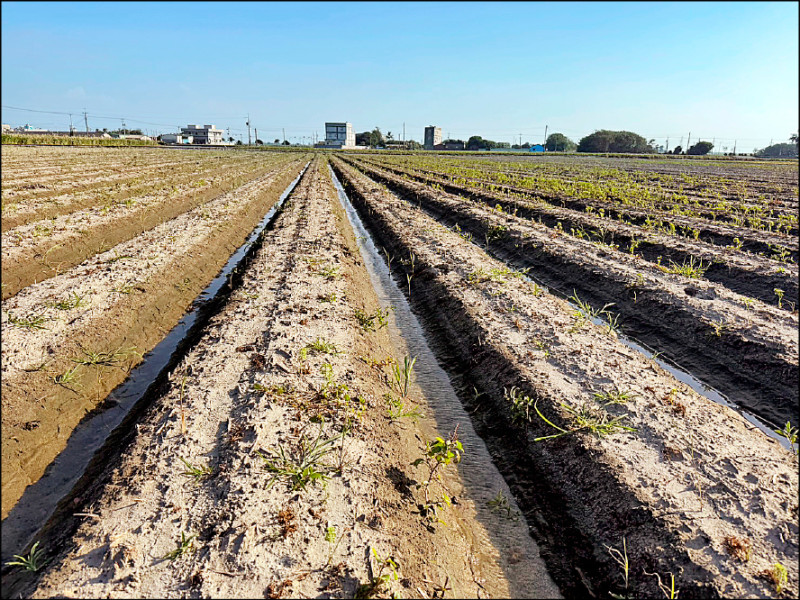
433, 136
176, 138
207, 134
339, 135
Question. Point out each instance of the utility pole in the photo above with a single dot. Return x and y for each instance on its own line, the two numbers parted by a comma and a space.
681, 144
86, 120
545, 137
283, 129
71, 129
666, 147
520, 139
689, 142
249, 139
734, 147
404, 133
256, 135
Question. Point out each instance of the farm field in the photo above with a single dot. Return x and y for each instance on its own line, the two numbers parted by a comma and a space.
620, 333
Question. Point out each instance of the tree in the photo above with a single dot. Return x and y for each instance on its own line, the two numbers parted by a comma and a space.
286, 143
605, 140
793, 138
778, 151
277, 141
700, 148
558, 142
230, 139
677, 150
389, 136
259, 143
376, 138
238, 142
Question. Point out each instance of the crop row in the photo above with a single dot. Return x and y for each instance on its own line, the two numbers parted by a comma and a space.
616, 193
600, 443
71, 338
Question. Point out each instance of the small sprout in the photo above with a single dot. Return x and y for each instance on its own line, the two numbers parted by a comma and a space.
402, 377
790, 433
613, 397
31, 563
621, 558
500, 505
779, 293
68, 377
31, 321
778, 575
184, 546
199, 473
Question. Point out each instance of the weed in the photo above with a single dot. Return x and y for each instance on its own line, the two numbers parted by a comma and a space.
613, 397
687, 269
397, 408
590, 419
584, 312
33, 562
499, 504
184, 546
123, 288
718, 328
117, 257
401, 377
199, 473
738, 548
496, 232
329, 272
386, 572
319, 346
748, 303
73, 301
621, 558
367, 322
778, 575
68, 377
306, 465
520, 405
328, 298
671, 592
106, 359
779, 293
790, 433
438, 454
31, 321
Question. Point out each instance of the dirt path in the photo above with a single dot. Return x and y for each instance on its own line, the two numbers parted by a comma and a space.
130, 297
285, 364
679, 497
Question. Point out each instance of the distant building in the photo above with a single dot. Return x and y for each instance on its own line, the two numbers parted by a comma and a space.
176, 138
6, 128
433, 137
207, 134
339, 135
29, 129
536, 148
450, 145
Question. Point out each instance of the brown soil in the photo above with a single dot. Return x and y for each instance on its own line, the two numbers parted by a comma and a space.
246, 390
689, 476
167, 268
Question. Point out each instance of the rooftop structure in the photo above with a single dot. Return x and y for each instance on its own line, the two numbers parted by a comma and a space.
339, 135
433, 136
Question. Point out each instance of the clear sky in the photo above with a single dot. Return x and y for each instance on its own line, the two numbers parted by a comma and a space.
724, 70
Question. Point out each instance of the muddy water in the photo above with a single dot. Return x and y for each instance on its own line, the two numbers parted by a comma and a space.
40, 499
507, 529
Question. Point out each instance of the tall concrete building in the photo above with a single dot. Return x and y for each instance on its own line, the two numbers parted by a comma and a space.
433, 136
340, 135
207, 134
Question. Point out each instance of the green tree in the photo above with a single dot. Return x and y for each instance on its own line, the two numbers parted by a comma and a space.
700, 148
286, 143
558, 142
376, 138
778, 151
793, 138
605, 140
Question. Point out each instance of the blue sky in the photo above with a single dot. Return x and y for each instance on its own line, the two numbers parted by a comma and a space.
724, 70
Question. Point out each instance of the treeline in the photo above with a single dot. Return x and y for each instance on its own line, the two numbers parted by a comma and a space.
65, 140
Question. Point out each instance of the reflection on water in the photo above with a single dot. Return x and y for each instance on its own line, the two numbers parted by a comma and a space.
528, 577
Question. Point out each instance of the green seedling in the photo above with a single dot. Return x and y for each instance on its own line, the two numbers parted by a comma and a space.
305, 466
613, 397
329, 272
31, 563
520, 405
199, 473
591, 419
68, 377
31, 321
397, 408
691, 269
779, 293
402, 377
386, 573
438, 454
500, 505
328, 298
367, 322
185, 546
779, 576
105, 359
790, 433
73, 301
319, 346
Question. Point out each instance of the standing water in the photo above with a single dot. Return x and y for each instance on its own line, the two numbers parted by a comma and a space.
505, 528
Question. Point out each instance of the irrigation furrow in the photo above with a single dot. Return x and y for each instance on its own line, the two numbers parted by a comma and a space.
64, 365
748, 352
663, 485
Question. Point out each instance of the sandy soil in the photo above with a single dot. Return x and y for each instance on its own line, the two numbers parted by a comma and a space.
689, 476
250, 387
744, 347
130, 297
